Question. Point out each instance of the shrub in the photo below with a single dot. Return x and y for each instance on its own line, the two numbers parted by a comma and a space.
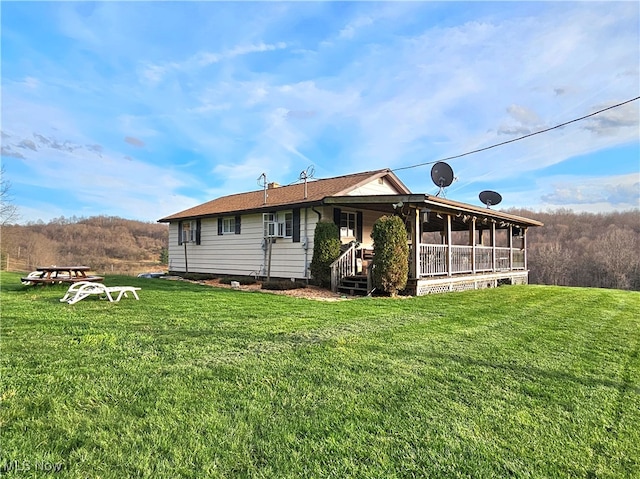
196, 276
240, 279
391, 254
282, 285
326, 249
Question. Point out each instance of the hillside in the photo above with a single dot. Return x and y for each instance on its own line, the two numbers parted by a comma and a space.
572, 249
106, 243
585, 249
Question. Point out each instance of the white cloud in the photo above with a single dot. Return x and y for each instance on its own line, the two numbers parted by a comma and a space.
616, 190
351, 29
386, 97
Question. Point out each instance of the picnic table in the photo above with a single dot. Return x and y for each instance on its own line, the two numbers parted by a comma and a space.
60, 274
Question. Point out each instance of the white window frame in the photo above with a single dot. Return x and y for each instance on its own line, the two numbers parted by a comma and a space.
189, 231
278, 225
345, 217
269, 225
229, 225
285, 224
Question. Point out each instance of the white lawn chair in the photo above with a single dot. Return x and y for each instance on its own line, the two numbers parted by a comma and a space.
83, 289
34, 275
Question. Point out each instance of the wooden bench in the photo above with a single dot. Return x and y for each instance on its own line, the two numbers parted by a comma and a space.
60, 274
30, 280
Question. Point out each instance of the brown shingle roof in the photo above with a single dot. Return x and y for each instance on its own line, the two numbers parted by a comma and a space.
317, 190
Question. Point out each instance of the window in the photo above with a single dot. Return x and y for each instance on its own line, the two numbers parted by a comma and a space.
347, 225
285, 225
189, 232
269, 223
278, 225
228, 226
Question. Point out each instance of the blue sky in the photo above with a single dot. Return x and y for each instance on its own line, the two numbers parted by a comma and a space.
143, 109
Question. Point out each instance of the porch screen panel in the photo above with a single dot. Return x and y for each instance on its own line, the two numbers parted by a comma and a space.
336, 217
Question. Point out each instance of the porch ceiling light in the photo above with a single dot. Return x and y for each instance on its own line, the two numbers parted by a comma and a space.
425, 214
439, 216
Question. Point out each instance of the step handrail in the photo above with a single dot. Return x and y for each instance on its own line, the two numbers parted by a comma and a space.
344, 266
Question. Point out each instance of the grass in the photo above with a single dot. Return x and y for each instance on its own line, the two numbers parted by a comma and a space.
193, 381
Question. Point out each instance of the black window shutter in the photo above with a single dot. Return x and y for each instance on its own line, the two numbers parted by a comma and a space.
336, 217
219, 226
238, 220
179, 232
296, 225
198, 231
359, 226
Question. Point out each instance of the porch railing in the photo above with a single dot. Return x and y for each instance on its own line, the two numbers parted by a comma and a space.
484, 258
344, 266
434, 259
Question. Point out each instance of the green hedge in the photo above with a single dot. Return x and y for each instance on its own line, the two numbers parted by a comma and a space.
326, 249
391, 254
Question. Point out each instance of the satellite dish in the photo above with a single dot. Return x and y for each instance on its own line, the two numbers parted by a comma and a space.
489, 197
442, 175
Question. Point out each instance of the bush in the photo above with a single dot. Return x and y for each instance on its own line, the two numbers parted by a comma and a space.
244, 280
326, 249
282, 285
391, 254
196, 276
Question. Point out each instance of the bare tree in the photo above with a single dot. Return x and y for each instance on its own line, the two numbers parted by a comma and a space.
8, 211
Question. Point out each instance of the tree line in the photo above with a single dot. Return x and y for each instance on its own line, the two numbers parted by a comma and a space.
105, 243
584, 249
571, 249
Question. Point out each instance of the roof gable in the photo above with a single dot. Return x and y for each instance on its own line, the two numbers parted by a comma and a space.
290, 195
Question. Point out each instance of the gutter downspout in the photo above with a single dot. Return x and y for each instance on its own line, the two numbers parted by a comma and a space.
306, 245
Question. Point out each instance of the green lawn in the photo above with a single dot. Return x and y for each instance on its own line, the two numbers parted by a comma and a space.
193, 381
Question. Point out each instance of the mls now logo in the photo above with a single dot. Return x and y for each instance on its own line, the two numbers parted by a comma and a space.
8, 466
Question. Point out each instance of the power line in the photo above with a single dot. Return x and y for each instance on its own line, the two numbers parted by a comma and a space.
519, 138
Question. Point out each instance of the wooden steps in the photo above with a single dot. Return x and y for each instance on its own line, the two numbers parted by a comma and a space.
354, 285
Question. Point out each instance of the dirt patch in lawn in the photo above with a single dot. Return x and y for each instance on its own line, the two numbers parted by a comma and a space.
310, 292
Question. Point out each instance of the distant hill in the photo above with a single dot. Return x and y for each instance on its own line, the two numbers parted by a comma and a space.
571, 249
105, 243
585, 249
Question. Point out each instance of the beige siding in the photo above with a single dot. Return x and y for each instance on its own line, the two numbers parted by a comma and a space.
368, 218
377, 187
243, 254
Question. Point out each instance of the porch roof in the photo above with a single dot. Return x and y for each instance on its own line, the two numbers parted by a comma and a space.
435, 204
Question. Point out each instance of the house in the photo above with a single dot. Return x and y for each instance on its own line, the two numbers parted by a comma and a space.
269, 233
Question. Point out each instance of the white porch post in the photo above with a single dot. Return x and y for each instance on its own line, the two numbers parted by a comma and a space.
524, 247
493, 245
472, 241
415, 238
449, 263
510, 247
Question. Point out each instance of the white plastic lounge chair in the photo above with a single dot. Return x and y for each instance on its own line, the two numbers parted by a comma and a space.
83, 289
33, 274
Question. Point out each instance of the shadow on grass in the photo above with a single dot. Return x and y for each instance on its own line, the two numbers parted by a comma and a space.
535, 372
